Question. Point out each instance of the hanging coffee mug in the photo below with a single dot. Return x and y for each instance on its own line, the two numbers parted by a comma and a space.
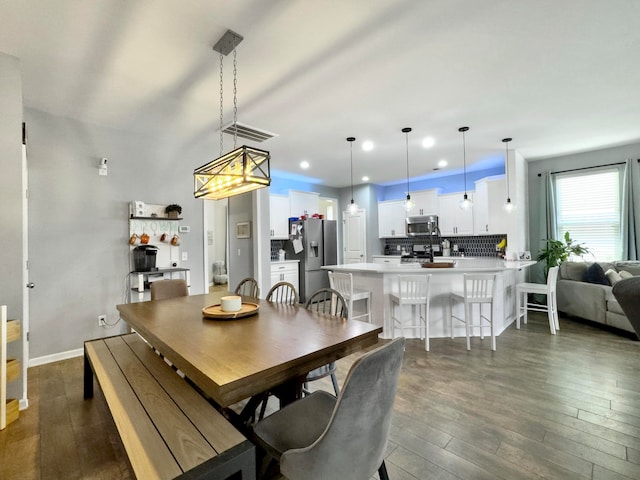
163, 237
144, 238
132, 239
175, 240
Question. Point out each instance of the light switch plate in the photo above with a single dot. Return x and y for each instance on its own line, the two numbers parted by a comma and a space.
185, 256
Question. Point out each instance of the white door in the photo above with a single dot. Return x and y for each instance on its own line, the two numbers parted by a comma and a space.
354, 237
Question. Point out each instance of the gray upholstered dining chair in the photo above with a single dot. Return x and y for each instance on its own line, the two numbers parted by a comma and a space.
283, 292
326, 301
248, 287
627, 293
170, 288
321, 436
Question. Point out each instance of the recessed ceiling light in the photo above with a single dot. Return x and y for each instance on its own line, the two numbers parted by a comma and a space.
365, 179
443, 163
304, 164
428, 142
367, 145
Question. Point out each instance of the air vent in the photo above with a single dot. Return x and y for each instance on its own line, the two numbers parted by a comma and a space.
248, 132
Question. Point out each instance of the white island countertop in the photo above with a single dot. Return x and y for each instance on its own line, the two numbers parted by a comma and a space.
381, 280
462, 265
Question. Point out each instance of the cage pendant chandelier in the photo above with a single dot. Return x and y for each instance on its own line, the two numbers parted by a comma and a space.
244, 168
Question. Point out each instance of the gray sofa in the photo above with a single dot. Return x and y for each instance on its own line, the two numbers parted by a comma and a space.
592, 301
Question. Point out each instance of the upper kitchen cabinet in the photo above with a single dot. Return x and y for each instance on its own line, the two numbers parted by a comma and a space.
279, 216
452, 219
303, 203
392, 219
426, 202
489, 216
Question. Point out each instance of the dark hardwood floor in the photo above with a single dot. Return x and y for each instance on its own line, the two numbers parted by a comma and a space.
541, 406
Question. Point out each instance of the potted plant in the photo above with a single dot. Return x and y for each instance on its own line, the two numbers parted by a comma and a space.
556, 251
173, 210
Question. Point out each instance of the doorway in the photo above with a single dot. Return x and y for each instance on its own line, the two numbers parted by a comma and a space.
216, 250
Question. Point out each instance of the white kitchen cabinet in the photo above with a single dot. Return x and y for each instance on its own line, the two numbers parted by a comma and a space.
386, 259
303, 203
392, 219
425, 202
279, 216
286, 271
489, 216
452, 219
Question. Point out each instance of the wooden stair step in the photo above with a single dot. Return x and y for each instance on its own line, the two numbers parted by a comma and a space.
13, 330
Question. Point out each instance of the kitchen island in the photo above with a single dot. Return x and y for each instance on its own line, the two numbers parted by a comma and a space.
381, 279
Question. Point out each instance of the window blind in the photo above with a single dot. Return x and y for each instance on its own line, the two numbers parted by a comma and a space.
588, 206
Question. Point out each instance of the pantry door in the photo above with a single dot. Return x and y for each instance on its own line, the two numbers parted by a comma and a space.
354, 236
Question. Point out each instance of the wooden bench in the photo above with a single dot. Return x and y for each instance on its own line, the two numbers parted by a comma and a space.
167, 428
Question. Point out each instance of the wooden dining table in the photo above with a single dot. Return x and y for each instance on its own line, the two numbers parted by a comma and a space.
234, 359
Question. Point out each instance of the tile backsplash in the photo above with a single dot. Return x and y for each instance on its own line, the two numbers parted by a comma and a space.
275, 246
471, 246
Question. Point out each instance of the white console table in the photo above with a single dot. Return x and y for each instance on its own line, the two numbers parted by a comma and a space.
137, 279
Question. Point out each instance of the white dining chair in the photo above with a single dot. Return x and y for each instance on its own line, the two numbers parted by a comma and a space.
343, 283
523, 305
480, 290
411, 291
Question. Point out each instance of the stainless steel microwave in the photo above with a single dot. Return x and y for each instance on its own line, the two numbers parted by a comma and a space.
422, 225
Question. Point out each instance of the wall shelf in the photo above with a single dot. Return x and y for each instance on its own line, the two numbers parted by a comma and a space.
154, 218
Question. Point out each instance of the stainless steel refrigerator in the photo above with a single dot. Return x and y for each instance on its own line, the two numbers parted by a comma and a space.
314, 243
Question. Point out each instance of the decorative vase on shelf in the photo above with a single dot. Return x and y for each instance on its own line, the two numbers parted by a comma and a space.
173, 215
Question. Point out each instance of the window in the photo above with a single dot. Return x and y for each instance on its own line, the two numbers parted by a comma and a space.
588, 206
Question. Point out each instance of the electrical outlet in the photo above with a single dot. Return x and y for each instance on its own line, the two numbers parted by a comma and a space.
102, 320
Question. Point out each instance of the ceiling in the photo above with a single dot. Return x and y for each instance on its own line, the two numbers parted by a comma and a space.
558, 77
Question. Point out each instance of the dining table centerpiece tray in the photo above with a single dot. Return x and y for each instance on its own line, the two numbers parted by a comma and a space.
215, 311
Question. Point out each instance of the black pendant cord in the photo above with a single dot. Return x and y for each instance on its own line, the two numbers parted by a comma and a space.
464, 157
406, 131
506, 164
464, 162
351, 140
351, 173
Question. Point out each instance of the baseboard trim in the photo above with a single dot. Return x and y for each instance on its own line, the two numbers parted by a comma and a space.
56, 357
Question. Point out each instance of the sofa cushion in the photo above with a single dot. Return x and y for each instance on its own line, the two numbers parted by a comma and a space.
613, 276
607, 266
595, 274
625, 274
633, 267
573, 271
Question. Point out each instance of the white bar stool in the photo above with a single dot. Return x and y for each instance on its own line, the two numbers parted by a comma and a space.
343, 283
412, 290
480, 289
549, 289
